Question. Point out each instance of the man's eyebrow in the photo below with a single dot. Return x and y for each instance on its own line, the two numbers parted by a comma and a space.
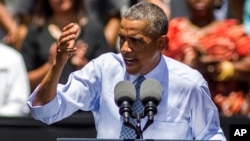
135, 37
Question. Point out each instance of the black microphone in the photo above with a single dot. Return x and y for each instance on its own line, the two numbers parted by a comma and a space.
125, 96
150, 95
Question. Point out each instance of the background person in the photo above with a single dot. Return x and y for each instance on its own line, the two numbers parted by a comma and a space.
14, 84
219, 49
8, 27
39, 45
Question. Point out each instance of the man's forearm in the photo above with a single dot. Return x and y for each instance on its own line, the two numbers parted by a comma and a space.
65, 47
47, 88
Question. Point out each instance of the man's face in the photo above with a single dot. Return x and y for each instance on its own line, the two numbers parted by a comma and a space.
140, 51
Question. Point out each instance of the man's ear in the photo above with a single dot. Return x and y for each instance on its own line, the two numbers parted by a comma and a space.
163, 42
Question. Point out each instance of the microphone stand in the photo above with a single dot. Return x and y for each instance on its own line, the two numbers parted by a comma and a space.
151, 110
126, 112
137, 127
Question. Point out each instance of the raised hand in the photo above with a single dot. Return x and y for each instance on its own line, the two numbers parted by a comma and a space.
66, 43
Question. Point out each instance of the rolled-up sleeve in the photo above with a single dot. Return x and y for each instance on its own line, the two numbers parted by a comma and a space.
45, 111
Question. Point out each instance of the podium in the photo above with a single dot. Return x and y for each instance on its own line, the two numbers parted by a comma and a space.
94, 139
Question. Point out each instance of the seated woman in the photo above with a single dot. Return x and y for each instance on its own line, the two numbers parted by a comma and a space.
219, 49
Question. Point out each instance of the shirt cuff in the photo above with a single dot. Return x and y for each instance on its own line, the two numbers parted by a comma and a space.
43, 111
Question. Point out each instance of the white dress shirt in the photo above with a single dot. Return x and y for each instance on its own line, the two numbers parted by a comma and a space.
186, 110
14, 83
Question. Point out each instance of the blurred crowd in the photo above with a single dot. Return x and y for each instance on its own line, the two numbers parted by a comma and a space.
212, 36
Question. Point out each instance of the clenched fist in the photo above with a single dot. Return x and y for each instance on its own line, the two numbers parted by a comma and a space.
66, 43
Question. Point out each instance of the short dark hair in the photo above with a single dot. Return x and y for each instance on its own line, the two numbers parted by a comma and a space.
154, 15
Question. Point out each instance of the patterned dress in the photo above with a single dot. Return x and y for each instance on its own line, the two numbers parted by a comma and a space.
220, 41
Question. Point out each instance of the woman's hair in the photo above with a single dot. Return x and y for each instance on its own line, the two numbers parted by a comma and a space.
151, 13
43, 10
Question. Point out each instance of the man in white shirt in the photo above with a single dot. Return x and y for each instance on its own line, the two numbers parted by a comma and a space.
14, 84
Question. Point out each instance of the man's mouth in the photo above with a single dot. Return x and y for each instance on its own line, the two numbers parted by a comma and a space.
130, 61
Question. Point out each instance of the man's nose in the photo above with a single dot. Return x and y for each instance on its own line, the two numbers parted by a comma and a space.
125, 47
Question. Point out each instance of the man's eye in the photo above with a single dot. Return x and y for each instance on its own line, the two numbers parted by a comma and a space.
135, 40
121, 38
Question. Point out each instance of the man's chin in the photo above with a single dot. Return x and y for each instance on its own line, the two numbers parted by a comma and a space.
132, 71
